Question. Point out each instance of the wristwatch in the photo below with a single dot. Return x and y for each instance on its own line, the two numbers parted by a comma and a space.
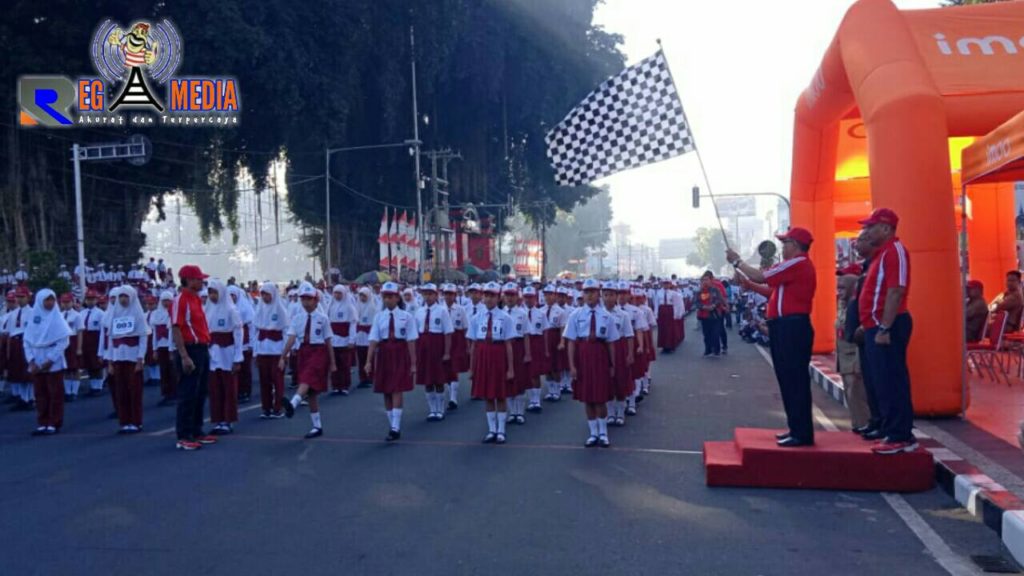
736, 263
883, 328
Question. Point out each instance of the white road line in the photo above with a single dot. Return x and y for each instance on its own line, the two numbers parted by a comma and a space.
944, 556
166, 431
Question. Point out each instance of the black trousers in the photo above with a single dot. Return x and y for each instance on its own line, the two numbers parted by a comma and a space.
891, 379
709, 327
192, 390
790, 341
875, 422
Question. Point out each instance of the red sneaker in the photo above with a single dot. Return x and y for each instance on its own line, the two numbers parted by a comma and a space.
888, 448
188, 445
206, 439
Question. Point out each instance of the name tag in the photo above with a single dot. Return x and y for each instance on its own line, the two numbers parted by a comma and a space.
222, 323
536, 325
122, 327
273, 317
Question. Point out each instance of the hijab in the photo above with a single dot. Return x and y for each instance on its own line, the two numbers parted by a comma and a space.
244, 304
46, 327
265, 313
161, 316
221, 316
133, 311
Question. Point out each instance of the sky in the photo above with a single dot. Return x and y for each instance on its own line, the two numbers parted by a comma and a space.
739, 66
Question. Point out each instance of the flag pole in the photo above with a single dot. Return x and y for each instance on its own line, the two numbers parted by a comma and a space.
696, 148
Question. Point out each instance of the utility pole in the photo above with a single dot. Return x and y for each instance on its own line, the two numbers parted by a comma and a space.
416, 157
439, 223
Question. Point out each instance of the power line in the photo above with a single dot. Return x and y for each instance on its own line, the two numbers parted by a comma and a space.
355, 192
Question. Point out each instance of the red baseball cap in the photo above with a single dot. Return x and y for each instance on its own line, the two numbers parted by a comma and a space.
10, 296
91, 294
881, 216
191, 272
67, 297
801, 235
975, 284
855, 269
22, 292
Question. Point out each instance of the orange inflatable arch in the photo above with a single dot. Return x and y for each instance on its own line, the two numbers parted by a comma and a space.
897, 97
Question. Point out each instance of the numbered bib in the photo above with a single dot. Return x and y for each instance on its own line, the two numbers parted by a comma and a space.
122, 327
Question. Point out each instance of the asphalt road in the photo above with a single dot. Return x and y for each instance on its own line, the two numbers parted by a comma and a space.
265, 501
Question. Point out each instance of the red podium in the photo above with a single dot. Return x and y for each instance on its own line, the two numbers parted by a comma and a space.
837, 461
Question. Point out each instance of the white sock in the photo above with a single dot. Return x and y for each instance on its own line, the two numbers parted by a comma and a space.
492, 422
75, 385
315, 417
296, 400
621, 409
592, 424
388, 414
396, 419
602, 427
453, 391
501, 417
430, 401
631, 401
30, 392
96, 384
522, 403
67, 385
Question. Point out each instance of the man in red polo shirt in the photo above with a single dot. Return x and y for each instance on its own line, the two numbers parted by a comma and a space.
192, 359
790, 287
887, 328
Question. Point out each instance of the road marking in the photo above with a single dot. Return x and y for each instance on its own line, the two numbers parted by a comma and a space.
166, 431
944, 556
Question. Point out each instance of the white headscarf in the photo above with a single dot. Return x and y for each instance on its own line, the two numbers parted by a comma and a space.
134, 311
366, 309
265, 313
161, 316
46, 327
244, 304
224, 309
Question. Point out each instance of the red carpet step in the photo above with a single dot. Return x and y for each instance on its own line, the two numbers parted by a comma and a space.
837, 461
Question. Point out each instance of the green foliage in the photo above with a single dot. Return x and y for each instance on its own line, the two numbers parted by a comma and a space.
710, 250
586, 227
493, 77
44, 267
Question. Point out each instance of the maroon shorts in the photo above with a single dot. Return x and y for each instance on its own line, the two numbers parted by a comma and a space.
314, 366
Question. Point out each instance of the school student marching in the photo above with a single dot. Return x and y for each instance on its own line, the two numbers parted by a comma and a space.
225, 357
622, 386
366, 310
566, 301
10, 304
459, 356
18, 378
490, 332
433, 350
124, 349
71, 358
643, 325
342, 313
162, 346
520, 353
310, 331
558, 364
243, 303
272, 321
537, 329
591, 333
89, 346
391, 359
45, 339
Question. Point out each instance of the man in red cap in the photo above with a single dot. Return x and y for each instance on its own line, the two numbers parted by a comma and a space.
790, 287
887, 329
977, 311
192, 359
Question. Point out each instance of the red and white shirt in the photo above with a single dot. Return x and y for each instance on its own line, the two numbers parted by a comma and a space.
888, 269
793, 283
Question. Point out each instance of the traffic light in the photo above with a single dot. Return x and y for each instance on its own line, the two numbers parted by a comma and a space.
696, 196
430, 250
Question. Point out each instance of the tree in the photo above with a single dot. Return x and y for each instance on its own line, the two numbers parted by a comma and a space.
585, 227
710, 250
492, 76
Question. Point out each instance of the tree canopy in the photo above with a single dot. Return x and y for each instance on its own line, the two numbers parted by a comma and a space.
493, 76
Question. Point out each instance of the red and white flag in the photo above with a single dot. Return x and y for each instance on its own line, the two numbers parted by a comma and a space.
383, 240
393, 242
403, 240
414, 245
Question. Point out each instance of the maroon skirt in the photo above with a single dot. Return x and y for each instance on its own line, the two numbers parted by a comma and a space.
314, 366
622, 383
640, 361
490, 366
17, 366
552, 336
539, 364
392, 367
91, 351
71, 356
430, 367
521, 375
666, 327
652, 350
593, 379
460, 354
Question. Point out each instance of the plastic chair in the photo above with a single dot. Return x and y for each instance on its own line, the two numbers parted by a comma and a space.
986, 354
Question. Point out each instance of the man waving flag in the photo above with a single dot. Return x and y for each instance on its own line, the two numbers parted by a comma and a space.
630, 120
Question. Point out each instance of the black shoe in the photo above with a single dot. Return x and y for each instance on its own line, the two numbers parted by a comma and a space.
500, 439
70, 397
782, 435
861, 429
603, 442
41, 431
265, 415
792, 442
453, 405
244, 399
591, 442
364, 385
393, 435
491, 438
873, 434
289, 410
335, 392
314, 433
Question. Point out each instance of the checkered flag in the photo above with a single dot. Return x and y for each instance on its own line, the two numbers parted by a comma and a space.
632, 119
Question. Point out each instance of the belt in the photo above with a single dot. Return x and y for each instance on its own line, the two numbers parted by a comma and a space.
340, 329
126, 341
272, 335
364, 328
222, 339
